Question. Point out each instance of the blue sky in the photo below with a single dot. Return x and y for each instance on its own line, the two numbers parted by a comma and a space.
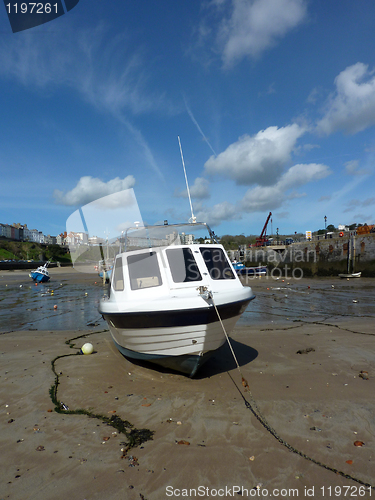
274, 102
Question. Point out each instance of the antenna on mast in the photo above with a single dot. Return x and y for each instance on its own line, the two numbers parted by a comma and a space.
193, 218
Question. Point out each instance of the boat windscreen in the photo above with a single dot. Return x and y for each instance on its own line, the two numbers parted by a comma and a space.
167, 235
182, 265
217, 263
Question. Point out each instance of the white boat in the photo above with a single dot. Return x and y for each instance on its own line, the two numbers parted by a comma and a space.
41, 274
166, 294
350, 261
350, 275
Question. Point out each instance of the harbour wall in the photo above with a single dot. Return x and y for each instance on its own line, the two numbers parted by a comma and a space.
323, 257
16, 265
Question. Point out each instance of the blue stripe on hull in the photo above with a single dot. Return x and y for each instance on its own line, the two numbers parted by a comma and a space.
185, 363
39, 277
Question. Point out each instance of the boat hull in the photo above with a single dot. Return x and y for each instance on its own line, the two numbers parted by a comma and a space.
39, 278
252, 271
350, 275
105, 274
181, 340
187, 364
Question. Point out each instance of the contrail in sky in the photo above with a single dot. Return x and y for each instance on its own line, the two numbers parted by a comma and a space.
197, 125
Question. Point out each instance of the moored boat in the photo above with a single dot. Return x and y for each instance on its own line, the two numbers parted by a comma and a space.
105, 270
170, 297
41, 274
242, 270
350, 275
350, 260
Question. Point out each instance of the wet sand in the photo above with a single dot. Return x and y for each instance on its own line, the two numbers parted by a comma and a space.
304, 347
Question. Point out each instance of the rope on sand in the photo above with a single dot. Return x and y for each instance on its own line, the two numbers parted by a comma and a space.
253, 407
135, 436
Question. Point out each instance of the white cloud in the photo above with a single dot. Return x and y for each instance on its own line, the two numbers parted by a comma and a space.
368, 202
218, 213
352, 205
199, 190
313, 96
363, 218
259, 159
355, 204
263, 198
352, 168
301, 174
352, 106
89, 189
283, 215
270, 90
256, 25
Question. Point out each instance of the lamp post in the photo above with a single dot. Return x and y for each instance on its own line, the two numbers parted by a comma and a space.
325, 226
277, 235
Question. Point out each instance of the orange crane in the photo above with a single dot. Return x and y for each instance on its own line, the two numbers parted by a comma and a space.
262, 239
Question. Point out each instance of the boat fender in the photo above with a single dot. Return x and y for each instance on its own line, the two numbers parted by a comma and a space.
341, 234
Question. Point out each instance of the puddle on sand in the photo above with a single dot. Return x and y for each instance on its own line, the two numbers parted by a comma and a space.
28, 306
311, 300
32, 307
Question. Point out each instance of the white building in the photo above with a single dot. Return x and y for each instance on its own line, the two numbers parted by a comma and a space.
95, 240
187, 239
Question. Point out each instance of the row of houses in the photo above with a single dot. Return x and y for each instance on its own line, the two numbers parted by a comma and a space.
20, 232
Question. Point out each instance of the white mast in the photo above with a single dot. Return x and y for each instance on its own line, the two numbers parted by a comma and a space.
193, 218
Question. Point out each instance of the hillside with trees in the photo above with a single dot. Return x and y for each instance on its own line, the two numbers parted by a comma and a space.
17, 250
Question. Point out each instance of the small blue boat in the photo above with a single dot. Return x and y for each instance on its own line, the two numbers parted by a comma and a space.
40, 275
242, 270
105, 269
107, 274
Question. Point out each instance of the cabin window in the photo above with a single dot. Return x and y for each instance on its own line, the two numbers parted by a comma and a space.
217, 263
144, 271
182, 265
118, 276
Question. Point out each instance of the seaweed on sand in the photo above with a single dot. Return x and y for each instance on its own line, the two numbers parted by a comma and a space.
134, 436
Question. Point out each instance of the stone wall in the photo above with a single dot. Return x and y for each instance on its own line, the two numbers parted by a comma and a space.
317, 257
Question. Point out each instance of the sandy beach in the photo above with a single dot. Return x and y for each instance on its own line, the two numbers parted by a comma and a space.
305, 429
